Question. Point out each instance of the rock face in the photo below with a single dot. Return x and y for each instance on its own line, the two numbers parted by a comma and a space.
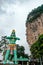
34, 29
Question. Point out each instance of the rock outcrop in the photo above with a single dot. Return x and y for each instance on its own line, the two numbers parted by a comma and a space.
34, 25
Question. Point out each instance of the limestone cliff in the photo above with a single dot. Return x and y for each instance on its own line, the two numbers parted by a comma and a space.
34, 25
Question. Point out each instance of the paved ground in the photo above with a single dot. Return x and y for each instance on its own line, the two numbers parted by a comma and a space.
8, 64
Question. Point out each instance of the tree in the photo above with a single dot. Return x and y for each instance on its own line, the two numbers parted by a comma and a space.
3, 45
37, 48
3, 41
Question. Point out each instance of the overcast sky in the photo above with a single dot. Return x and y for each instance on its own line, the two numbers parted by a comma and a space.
13, 15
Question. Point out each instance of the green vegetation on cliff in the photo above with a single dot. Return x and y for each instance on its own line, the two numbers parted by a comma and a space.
34, 14
37, 47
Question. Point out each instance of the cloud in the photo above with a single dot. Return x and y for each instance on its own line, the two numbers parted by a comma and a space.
22, 1
7, 9
2, 11
6, 5
1, 2
12, 1
1, 32
7, 1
